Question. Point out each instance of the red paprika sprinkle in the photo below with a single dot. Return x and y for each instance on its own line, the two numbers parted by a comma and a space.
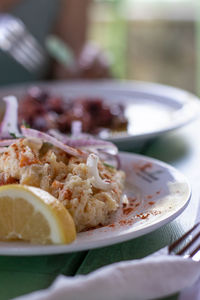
127, 210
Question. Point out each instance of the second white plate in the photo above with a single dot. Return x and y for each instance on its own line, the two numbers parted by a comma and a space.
151, 109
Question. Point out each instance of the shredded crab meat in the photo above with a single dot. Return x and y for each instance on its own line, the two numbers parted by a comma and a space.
125, 200
3, 149
92, 164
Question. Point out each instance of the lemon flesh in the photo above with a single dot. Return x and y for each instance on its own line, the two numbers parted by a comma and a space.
30, 214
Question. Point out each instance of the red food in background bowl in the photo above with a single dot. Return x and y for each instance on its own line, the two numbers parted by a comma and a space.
44, 111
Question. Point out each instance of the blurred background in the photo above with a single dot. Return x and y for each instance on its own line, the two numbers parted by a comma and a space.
147, 40
150, 40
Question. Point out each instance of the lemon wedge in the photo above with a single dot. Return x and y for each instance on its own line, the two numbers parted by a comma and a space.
30, 214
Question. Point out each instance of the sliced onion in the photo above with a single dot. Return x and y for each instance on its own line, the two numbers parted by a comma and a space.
10, 120
112, 160
32, 133
92, 164
85, 141
61, 137
76, 128
7, 142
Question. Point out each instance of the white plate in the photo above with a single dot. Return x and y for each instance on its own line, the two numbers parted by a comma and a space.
158, 192
151, 109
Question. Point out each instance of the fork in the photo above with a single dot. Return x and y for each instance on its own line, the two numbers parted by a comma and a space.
191, 248
19, 43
